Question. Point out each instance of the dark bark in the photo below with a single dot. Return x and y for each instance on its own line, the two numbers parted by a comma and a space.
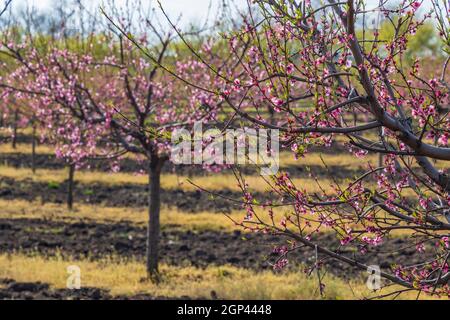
271, 111
15, 125
33, 150
154, 208
380, 160
70, 187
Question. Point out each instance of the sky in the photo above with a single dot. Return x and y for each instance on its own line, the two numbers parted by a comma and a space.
192, 10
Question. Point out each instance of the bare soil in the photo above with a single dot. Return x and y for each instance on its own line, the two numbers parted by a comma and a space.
88, 239
124, 195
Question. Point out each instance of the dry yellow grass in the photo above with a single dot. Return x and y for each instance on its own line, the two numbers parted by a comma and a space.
6, 131
314, 159
170, 217
345, 160
125, 278
286, 158
25, 148
212, 182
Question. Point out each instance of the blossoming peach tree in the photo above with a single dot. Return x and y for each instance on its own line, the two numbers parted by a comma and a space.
92, 107
329, 78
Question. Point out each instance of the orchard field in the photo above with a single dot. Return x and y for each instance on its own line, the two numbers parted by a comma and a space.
204, 254
100, 199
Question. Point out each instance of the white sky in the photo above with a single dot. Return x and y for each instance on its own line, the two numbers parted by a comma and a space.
191, 10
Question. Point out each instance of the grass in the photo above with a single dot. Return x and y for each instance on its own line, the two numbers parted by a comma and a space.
24, 148
338, 159
286, 158
7, 131
213, 182
125, 278
170, 217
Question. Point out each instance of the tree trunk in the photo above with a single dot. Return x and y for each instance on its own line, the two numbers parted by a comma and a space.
380, 160
271, 111
154, 207
15, 124
70, 187
33, 150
